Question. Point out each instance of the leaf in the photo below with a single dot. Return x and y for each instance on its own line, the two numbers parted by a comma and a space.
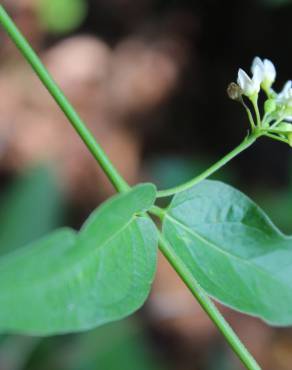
71, 282
30, 209
234, 251
61, 16
126, 339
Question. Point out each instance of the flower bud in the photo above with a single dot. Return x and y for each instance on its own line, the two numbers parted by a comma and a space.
234, 91
285, 96
250, 86
270, 106
267, 71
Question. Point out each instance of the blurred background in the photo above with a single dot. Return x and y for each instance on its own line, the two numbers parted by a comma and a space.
149, 77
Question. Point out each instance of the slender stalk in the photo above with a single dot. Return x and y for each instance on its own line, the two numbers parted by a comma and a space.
254, 100
278, 138
249, 114
157, 211
207, 305
250, 118
279, 120
215, 167
116, 179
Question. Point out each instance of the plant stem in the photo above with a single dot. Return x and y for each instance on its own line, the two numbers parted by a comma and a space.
207, 305
278, 138
249, 114
279, 120
157, 211
254, 100
215, 167
116, 179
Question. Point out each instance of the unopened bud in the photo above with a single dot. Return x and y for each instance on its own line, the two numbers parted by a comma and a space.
270, 106
234, 92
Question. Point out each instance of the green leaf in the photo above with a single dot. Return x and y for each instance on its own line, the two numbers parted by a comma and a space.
71, 282
30, 209
61, 16
93, 350
234, 251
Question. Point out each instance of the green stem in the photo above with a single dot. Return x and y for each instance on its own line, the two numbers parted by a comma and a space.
254, 100
250, 117
278, 138
116, 179
157, 211
207, 305
276, 123
215, 167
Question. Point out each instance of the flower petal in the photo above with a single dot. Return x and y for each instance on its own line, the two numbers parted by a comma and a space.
257, 63
270, 70
243, 80
257, 77
285, 94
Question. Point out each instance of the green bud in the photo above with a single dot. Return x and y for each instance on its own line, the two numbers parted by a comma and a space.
270, 106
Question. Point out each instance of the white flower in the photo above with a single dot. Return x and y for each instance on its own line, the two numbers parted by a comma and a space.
267, 70
284, 99
285, 96
250, 86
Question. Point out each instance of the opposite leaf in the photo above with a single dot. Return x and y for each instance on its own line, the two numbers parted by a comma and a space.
70, 282
234, 251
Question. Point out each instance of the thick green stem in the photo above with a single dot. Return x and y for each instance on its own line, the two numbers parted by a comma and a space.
215, 167
207, 305
116, 179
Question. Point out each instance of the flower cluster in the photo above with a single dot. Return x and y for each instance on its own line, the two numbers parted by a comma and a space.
275, 122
